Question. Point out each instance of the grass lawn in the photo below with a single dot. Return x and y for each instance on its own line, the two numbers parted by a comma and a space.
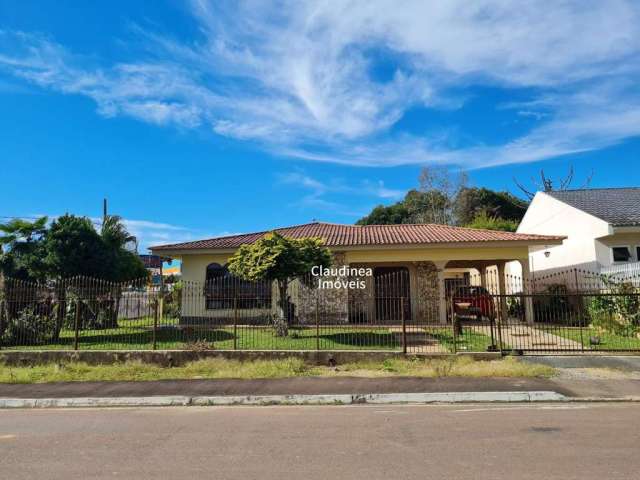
138, 335
608, 341
469, 341
288, 367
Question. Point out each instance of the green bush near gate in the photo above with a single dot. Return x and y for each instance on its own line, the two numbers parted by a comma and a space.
618, 313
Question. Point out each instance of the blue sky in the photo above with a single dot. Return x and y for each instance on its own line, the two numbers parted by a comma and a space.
201, 118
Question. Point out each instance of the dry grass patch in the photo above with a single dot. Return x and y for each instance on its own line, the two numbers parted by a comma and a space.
138, 371
446, 367
282, 368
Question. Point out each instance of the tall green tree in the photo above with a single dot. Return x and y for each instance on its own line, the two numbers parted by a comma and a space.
416, 207
473, 202
449, 203
387, 215
69, 246
125, 264
432, 202
73, 247
21, 249
279, 258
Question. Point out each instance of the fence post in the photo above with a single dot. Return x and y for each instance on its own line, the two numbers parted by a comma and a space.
404, 326
61, 294
499, 324
161, 312
235, 318
155, 323
317, 320
2, 327
76, 325
579, 299
454, 326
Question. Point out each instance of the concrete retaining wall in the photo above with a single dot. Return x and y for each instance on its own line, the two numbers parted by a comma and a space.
179, 357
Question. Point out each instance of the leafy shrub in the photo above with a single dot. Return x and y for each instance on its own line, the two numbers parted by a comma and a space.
173, 302
485, 221
29, 328
617, 313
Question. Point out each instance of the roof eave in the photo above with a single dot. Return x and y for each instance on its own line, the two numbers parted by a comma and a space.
405, 246
622, 228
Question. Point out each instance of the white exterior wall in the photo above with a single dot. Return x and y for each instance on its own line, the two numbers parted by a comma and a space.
603, 247
548, 216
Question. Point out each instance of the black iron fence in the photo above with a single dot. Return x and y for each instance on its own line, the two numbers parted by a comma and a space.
390, 310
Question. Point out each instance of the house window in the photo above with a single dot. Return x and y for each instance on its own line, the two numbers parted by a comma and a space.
621, 254
638, 253
223, 290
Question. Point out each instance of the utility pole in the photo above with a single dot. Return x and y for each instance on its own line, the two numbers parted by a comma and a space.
104, 211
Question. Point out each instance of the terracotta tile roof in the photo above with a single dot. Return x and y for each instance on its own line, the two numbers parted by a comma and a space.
337, 235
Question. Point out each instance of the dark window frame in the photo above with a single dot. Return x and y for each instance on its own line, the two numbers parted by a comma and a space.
626, 258
224, 291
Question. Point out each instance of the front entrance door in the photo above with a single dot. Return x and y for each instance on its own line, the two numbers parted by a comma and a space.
392, 294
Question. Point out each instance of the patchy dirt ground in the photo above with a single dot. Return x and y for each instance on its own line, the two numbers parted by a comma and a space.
596, 373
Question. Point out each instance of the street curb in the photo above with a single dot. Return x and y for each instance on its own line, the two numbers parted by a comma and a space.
160, 401
341, 399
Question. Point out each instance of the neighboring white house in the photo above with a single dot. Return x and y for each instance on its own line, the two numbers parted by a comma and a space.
602, 227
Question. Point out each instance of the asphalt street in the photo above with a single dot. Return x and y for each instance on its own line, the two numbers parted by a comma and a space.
570, 441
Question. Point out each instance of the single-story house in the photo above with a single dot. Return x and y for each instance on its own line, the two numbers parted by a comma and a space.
602, 226
430, 255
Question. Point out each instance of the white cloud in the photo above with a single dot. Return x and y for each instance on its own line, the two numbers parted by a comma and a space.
132, 224
318, 191
378, 189
364, 187
298, 77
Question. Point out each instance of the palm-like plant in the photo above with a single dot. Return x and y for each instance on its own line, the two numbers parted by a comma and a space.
19, 230
114, 233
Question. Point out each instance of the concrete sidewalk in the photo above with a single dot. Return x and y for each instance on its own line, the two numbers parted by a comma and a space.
281, 386
602, 378
310, 390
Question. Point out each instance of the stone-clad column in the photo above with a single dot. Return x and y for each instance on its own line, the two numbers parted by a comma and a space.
334, 302
428, 292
